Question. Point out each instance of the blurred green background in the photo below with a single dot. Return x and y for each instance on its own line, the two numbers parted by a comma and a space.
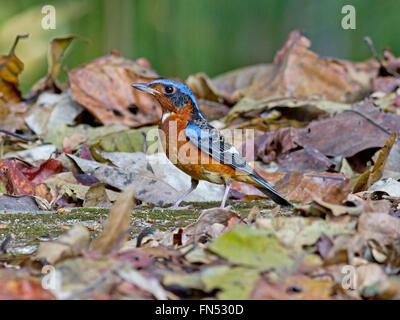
181, 37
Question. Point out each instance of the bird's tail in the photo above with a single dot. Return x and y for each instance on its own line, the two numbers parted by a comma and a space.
268, 190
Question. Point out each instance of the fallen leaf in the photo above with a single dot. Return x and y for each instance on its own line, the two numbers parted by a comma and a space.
235, 283
17, 285
52, 110
345, 134
212, 110
389, 186
300, 232
379, 226
372, 282
368, 178
10, 68
96, 196
35, 154
245, 246
112, 100
57, 134
300, 72
303, 109
117, 224
202, 227
66, 183
226, 86
50, 83
321, 208
305, 160
17, 203
151, 285
68, 245
20, 178
330, 187
349, 133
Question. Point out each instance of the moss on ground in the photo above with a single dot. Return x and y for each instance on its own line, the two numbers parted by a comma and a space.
28, 229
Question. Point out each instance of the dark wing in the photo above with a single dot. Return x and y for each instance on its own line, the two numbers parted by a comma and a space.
212, 142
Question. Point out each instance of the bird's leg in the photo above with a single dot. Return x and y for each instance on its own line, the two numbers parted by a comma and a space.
194, 184
226, 193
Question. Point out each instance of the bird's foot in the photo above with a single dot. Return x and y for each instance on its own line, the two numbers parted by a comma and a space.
174, 207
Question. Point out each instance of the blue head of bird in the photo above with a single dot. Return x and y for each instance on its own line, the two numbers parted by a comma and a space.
172, 95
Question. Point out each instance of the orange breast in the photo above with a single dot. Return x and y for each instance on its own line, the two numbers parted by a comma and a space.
187, 157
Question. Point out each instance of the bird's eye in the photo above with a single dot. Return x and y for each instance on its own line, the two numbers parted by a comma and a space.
169, 89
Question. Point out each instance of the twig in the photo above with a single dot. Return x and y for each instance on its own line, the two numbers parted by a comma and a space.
20, 36
145, 232
17, 135
388, 132
383, 70
373, 50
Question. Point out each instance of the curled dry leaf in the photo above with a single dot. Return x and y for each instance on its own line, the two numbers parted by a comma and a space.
96, 196
368, 178
300, 109
203, 227
66, 184
228, 86
56, 51
21, 178
388, 186
321, 208
10, 68
116, 227
300, 72
103, 88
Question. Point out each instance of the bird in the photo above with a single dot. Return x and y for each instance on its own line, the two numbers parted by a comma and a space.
199, 149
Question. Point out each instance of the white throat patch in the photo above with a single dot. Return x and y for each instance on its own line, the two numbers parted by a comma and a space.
166, 115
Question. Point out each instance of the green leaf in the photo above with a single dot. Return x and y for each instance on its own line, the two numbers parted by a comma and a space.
246, 246
235, 283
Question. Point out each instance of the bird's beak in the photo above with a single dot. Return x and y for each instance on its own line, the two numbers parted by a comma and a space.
145, 87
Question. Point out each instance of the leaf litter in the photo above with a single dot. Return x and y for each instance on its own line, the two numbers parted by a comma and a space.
80, 187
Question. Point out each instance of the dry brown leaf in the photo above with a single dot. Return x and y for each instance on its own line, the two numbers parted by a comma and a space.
58, 46
379, 225
96, 196
10, 68
228, 86
116, 227
300, 72
368, 178
345, 134
320, 208
205, 224
103, 87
